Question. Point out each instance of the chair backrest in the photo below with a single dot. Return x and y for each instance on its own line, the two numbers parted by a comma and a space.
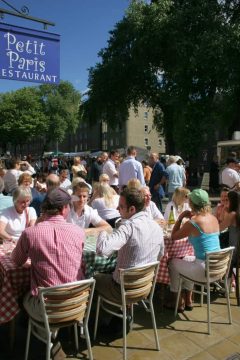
67, 303
138, 283
218, 263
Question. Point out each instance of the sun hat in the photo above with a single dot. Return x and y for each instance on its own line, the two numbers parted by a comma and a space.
199, 197
58, 197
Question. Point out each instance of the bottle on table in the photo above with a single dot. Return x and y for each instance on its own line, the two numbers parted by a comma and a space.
171, 219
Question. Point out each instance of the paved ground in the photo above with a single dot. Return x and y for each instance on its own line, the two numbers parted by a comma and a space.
182, 338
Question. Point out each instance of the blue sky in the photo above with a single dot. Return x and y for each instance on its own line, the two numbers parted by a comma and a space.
84, 27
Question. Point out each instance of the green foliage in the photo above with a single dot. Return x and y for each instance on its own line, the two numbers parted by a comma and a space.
61, 105
46, 112
182, 58
21, 116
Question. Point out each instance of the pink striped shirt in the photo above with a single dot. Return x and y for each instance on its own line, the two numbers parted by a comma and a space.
55, 250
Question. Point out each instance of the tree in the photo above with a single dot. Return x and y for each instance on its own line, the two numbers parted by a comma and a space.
182, 58
60, 105
46, 112
21, 116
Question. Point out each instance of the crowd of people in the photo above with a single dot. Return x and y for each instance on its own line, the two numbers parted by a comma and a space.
48, 216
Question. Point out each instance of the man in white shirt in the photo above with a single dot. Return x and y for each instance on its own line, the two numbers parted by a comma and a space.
110, 169
83, 215
151, 208
138, 240
130, 168
65, 183
230, 177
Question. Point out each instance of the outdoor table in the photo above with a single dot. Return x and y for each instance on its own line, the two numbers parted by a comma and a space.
93, 263
173, 249
14, 282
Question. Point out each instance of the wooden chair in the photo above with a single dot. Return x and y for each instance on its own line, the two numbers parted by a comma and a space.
62, 306
137, 284
216, 268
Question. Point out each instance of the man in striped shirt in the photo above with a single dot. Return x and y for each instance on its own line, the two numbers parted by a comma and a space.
54, 247
138, 240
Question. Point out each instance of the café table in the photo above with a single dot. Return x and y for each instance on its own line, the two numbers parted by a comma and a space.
14, 283
15, 280
93, 263
173, 249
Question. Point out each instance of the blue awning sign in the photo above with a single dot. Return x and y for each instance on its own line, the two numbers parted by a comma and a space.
29, 55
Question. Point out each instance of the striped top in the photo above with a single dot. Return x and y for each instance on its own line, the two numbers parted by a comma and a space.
138, 240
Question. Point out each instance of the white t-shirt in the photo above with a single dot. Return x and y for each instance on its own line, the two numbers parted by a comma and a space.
89, 216
104, 211
153, 212
110, 169
15, 222
230, 177
66, 184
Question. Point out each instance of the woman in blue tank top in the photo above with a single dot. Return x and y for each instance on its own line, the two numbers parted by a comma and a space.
202, 230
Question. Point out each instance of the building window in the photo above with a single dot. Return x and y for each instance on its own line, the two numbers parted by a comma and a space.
111, 142
146, 141
146, 128
145, 115
160, 142
117, 141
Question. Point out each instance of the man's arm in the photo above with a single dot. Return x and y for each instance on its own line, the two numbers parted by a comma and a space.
20, 253
107, 244
140, 175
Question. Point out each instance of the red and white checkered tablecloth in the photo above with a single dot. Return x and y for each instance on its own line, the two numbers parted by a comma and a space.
14, 282
173, 249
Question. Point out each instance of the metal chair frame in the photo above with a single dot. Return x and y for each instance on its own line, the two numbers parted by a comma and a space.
137, 284
217, 268
62, 306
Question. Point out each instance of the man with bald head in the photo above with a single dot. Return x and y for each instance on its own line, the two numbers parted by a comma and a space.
157, 180
52, 181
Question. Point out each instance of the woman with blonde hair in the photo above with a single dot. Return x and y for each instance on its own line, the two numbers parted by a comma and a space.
106, 202
77, 167
179, 203
202, 230
104, 178
26, 180
16, 218
134, 183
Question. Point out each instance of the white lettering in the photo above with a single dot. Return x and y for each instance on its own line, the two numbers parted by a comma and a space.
28, 43
24, 75
11, 39
13, 57
54, 78
41, 52
20, 46
42, 66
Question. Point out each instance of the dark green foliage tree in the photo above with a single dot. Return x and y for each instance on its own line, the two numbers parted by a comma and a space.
179, 56
21, 116
61, 105
46, 112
